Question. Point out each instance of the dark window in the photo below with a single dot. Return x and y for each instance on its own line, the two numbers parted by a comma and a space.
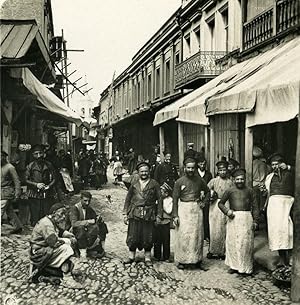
167, 75
157, 83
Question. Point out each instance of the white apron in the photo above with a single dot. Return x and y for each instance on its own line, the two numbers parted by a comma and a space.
240, 242
280, 224
189, 233
217, 229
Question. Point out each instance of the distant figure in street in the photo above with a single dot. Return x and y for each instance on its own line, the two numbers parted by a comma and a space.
140, 212
162, 226
217, 220
188, 195
84, 165
89, 229
99, 168
166, 172
52, 248
190, 153
280, 187
153, 158
206, 176
118, 170
40, 180
10, 191
243, 217
64, 170
132, 161
232, 166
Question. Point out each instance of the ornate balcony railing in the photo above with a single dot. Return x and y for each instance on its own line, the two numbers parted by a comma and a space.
282, 17
200, 65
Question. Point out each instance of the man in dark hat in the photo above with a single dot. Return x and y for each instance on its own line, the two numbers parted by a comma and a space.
52, 248
40, 179
140, 212
10, 191
89, 229
217, 220
166, 172
280, 186
190, 153
243, 217
188, 195
232, 166
206, 175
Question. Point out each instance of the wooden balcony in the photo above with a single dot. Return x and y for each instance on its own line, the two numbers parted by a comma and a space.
201, 65
284, 16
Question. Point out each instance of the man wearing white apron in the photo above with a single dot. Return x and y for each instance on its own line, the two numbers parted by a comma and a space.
280, 187
188, 194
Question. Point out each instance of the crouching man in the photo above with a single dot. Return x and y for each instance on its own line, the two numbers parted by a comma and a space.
89, 229
243, 214
52, 248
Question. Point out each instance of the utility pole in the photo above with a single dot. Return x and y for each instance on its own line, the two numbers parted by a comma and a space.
295, 289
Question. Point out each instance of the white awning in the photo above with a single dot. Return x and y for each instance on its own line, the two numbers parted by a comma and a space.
45, 96
270, 94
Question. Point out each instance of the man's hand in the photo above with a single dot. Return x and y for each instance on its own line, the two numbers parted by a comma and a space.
176, 221
230, 214
201, 204
158, 220
58, 243
283, 166
91, 221
254, 226
40, 186
126, 220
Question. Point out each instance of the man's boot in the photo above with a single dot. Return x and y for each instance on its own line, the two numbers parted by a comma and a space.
130, 259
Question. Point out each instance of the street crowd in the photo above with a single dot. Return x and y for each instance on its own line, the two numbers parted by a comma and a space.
220, 210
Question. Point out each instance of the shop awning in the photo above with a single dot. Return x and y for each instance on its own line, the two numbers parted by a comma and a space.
17, 36
45, 96
269, 94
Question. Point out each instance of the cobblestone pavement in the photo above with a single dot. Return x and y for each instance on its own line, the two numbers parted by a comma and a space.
109, 282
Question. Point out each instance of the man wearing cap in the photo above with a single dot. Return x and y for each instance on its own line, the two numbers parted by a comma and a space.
51, 248
243, 217
217, 220
40, 179
259, 174
280, 187
206, 175
140, 212
188, 194
190, 153
10, 191
89, 229
166, 172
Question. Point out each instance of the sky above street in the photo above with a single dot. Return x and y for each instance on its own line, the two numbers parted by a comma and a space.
110, 32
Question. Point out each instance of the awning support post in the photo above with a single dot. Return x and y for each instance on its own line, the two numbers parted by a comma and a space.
248, 155
180, 144
162, 142
212, 147
295, 288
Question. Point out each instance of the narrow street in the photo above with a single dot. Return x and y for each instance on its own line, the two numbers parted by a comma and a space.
109, 282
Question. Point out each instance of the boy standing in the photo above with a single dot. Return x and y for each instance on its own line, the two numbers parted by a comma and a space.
162, 227
243, 214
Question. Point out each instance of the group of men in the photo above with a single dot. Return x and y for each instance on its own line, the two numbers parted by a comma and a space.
222, 210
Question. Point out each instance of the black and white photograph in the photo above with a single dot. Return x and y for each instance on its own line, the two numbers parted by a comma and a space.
150, 152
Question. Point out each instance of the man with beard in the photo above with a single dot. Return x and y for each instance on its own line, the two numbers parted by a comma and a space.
40, 179
188, 194
166, 172
140, 212
243, 214
52, 248
206, 175
217, 220
280, 186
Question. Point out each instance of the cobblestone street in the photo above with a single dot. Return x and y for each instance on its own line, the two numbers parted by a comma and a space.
109, 282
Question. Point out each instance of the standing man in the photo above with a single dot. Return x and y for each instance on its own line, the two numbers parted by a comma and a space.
140, 212
132, 160
190, 153
206, 176
10, 191
217, 220
40, 179
243, 220
166, 172
280, 187
188, 194
232, 166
